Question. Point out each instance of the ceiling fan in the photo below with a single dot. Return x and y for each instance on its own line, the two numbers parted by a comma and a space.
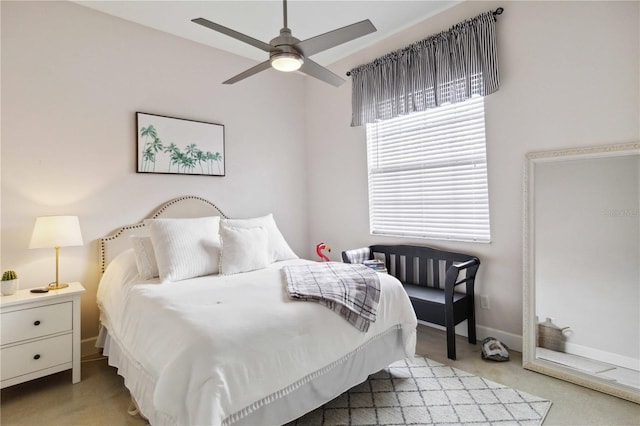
287, 53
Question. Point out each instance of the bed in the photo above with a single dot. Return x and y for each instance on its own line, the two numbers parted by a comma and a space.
231, 347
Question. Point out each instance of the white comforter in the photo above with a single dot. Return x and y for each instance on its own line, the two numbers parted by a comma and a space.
218, 347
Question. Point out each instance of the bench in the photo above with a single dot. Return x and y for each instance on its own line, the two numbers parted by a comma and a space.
429, 277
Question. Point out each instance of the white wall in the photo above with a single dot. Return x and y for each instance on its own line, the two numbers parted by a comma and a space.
569, 77
72, 80
587, 252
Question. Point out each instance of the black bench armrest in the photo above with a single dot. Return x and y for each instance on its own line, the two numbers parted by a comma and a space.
454, 272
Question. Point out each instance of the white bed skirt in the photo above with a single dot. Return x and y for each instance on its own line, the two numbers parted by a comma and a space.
324, 385
136, 379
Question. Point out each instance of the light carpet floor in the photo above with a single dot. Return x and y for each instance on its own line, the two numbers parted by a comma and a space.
424, 392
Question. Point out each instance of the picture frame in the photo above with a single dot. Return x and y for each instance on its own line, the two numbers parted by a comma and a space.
169, 145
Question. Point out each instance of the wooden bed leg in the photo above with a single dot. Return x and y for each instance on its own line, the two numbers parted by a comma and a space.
133, 409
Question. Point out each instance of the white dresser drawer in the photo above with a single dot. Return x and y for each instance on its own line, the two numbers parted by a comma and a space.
39, 355
35, 322
40, 334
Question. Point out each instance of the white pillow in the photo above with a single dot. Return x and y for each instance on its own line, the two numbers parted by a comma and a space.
145, 257
185, 248
278, 247
243, 249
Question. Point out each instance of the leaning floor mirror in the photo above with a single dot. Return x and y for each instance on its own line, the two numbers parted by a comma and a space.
582, 267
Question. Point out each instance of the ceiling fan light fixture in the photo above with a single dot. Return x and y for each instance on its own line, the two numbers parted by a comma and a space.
286, 61
288, 54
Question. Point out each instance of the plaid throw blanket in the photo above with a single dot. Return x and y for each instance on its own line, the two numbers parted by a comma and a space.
358, 255
353, 291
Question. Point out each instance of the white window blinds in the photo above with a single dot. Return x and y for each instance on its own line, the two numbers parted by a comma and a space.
428, 174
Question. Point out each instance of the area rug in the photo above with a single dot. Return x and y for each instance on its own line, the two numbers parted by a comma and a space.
423, 392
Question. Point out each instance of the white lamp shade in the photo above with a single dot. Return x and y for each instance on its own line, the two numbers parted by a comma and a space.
56, 231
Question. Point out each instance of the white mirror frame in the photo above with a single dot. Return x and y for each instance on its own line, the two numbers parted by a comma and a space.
529, 360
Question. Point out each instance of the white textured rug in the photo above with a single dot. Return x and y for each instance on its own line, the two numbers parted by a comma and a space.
424, 392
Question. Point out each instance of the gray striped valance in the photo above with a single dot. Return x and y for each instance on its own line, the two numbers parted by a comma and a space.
447, 67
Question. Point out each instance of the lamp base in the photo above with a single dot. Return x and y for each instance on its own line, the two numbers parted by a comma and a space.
57, 286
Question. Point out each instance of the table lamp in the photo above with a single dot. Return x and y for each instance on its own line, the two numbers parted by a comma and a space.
56, 232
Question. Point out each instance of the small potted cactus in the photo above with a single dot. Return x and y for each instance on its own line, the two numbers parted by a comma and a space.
9, 282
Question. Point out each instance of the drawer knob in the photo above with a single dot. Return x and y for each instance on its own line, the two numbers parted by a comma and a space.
36, 356
37, 322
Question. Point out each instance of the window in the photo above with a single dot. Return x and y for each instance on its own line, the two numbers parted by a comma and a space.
428, 174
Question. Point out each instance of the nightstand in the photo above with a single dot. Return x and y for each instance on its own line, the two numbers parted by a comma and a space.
40, 334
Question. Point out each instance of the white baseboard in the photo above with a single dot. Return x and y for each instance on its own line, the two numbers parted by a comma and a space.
602, 356
88, 346
513, 341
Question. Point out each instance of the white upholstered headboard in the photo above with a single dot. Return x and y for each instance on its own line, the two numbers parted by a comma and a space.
182, 207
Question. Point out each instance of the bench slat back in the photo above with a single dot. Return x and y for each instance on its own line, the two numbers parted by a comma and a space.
418, 265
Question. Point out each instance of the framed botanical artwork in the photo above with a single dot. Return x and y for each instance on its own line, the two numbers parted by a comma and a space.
178, 146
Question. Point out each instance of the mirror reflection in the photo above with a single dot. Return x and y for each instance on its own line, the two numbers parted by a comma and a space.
584, 250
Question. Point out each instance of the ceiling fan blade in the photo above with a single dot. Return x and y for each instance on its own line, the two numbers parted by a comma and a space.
334, 38
321, 73
248, 73
232, 33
